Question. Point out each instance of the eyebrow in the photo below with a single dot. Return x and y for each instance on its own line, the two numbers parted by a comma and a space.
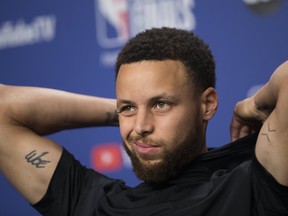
151, 100
124, 101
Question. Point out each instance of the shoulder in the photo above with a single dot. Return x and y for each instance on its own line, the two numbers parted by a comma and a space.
74, 186
229, 155
269, 195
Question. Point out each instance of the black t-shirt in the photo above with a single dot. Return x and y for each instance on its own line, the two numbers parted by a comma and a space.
226, 181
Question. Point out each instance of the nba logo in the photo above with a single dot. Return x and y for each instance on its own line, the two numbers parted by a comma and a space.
118, 20
112, 20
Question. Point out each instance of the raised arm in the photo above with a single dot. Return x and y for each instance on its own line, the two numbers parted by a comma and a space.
268, 106
27, 159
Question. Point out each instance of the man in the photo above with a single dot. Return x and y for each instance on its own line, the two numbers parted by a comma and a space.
165, 95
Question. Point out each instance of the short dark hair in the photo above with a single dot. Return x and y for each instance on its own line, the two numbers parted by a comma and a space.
172, 44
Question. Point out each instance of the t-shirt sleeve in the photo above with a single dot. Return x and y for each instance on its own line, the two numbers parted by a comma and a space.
70, 182
270, 197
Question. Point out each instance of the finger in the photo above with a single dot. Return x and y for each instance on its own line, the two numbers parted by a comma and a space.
235, 128
244, 131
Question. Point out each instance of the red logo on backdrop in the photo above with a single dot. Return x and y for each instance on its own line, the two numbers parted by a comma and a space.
106, 157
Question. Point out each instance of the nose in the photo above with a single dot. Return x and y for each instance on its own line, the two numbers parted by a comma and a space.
144, 123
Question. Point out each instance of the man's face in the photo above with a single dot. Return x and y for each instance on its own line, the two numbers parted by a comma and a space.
160, 118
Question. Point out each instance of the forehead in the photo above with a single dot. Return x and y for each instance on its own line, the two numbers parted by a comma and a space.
152, 77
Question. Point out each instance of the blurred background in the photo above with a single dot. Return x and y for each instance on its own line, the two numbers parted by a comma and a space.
72, 46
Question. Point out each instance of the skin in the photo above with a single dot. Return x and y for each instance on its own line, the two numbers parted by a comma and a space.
158, 109
28, 160
267, 111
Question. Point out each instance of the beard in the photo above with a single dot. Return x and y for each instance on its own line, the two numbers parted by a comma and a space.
172, 162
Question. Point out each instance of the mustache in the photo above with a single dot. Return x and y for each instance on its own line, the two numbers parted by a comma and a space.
145, 140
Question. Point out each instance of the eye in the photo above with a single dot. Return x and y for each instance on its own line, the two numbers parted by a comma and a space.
127, 110
162, 106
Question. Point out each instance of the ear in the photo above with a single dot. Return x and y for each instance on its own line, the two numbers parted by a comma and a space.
209, 103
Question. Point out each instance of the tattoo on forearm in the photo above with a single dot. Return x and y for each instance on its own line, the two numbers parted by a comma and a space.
112, 117
37, 160
270, 130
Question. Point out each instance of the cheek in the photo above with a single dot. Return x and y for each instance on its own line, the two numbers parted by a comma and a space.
173, 126
125, 126
176, 128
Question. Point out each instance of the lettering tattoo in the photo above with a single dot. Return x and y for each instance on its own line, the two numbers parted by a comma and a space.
37, 160
269, 131
112, 117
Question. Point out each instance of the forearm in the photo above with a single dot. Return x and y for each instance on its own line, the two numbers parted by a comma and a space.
46, 111
251, 113
268, 96
271, 147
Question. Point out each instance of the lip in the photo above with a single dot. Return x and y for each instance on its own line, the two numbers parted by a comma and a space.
144, 148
